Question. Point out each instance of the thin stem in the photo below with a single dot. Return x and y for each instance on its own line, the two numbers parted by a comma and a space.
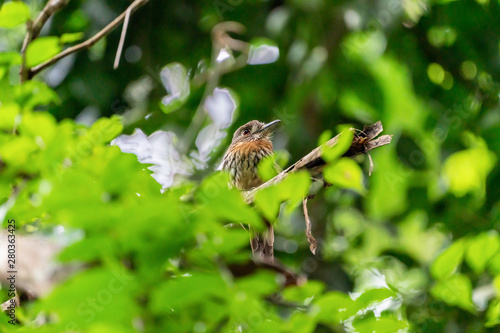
122, 40
89, 42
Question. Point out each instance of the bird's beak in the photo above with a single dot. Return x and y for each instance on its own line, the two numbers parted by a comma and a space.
269, 127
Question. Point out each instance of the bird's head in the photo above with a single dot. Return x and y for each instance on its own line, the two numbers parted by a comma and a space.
254, 130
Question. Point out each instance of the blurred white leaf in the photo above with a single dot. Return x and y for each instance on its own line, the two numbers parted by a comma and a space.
220, 107
262, 53
176, 81
208, 139
157, 149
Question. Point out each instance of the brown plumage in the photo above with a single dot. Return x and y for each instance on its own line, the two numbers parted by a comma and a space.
251, 143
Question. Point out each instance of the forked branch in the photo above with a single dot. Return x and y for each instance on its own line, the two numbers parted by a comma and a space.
89, 42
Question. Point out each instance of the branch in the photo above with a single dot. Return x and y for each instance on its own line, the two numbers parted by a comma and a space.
362, 143
33, 29
89, 42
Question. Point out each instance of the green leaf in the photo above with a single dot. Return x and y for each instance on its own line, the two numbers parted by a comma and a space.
300, 293
372, 296
42, 49
496, 285
17, 152
267, 168
292, 190
344, 141
259, 284
94, 295
38, 125
493, 314
494, 264
35, 93
448, 261
8, 115
300, 322
10, 58
346, 173
324, 137
88, 249
184, 291
481, 249
224, 203
466, 171
71, 37
334, 307
456, 290
104, 130
384, 324
13, 13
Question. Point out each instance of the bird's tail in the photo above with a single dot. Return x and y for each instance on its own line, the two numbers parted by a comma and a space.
262, 244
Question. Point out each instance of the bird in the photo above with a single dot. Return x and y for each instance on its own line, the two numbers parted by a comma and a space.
250, 144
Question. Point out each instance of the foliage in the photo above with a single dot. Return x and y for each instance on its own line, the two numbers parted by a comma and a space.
414, 247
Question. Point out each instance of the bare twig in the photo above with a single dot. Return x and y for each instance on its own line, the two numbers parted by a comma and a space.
313, 244
89, 42
33, 29
314, 163
122, 40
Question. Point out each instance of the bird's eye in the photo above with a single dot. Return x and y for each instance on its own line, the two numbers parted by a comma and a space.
246, 131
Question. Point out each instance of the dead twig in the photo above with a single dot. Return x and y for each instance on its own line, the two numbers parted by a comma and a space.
122, 39
89, 42
313, 244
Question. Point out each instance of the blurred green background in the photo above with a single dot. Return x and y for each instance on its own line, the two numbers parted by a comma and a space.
418, 252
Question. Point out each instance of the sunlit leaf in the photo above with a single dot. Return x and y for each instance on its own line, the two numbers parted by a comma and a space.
496, 285
334, 307
448, 261
35, 93
456, 290
261, 283
183, 291
480, 249
267, 168
104, 130
345, 173
292, 189
18, 151
97, 295
68, 38
8, 115
324, 137
37, 124
42, 49
419, 241
310, 290
226, 203
13, 13
330, 154
466, 170
383, 324
493, 314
